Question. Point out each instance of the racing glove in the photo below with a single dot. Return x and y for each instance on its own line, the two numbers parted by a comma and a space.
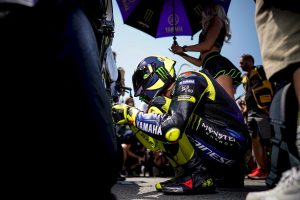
123, 114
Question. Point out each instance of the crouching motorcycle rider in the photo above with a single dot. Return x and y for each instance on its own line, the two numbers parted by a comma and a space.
193, 120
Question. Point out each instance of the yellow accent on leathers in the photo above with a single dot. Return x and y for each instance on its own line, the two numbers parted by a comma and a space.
185, 149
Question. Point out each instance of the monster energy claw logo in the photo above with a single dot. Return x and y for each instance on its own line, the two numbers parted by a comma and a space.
148, 15
162, 73
198, 9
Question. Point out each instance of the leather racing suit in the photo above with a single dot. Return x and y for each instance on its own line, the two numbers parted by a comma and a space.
201, 111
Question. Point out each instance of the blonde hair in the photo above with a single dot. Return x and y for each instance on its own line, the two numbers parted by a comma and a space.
209, 12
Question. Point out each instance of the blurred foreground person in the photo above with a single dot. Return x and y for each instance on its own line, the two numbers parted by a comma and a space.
193, 121
278, 29
56, 114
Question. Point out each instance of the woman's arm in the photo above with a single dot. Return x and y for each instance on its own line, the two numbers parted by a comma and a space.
194, 61
205, 46
211, 36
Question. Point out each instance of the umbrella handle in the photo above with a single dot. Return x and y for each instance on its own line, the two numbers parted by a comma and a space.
174, 41
174, 26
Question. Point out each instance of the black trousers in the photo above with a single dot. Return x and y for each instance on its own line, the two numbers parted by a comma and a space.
57, 124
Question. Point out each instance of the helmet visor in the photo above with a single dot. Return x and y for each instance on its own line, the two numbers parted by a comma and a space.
139, 79
139, 91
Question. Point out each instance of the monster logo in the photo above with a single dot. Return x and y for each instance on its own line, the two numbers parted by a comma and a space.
162, 73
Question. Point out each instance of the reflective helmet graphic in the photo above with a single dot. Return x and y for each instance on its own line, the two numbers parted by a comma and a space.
152, 76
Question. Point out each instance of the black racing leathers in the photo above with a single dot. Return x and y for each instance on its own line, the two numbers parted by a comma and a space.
201, 108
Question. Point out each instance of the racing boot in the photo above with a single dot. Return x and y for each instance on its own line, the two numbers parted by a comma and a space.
177, 156
197, 179
179, 172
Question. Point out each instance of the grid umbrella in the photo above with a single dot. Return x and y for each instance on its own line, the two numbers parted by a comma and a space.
165, 18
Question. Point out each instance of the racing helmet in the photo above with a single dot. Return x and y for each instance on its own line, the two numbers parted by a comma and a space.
152, 76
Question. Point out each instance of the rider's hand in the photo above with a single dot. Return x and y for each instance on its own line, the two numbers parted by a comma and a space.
119, 114
124, 114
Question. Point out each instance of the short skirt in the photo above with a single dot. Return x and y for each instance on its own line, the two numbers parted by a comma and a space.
218, 65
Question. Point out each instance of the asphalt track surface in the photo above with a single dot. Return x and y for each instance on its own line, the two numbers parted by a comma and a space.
142, 188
